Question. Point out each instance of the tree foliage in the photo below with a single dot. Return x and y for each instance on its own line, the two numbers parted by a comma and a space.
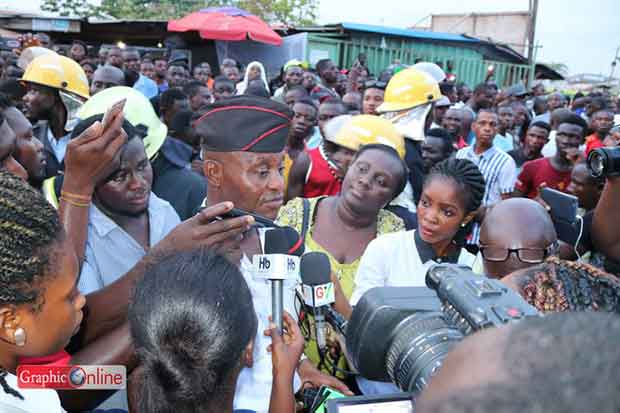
288, 12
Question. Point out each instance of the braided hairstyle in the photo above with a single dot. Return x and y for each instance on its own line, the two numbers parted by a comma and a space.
471, 185
29, 226
558, 285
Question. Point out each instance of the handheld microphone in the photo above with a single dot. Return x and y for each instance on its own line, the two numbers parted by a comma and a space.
318, 290
280, 262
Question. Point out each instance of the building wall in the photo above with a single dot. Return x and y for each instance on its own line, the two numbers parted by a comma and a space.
508, 28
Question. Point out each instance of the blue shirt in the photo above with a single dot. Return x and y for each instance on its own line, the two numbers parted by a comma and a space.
111, 252
505, 143
146, 86
315, 140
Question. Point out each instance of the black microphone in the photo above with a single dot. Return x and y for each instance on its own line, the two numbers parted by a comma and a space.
280, 261
318, 290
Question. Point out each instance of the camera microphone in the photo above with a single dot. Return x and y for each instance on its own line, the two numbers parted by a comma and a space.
318, 290
280, 262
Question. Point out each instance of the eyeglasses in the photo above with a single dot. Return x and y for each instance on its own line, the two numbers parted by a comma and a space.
526, 255
375, 84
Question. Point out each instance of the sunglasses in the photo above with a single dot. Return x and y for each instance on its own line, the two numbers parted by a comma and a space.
375, 84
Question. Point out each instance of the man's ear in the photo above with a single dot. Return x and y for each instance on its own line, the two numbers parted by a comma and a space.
248, 355
214, 172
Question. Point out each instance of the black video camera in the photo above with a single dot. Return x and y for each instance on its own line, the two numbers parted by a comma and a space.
604, 162
403, 334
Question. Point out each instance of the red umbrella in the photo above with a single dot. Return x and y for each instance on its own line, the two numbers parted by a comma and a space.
226, 23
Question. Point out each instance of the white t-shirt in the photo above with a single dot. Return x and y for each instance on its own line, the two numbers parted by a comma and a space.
393, 260
35, 400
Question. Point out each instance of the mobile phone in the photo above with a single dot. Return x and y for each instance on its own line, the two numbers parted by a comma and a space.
112, 112
259, 220
563, 206
563, 213
325, 394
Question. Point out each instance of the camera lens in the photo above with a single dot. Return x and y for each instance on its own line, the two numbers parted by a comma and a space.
596, 163
418, 349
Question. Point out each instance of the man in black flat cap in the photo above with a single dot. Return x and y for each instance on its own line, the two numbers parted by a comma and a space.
242, 143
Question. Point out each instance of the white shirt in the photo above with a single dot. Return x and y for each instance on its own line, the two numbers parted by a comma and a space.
35, 400
393, 260
59, 146
550, 148
253, 390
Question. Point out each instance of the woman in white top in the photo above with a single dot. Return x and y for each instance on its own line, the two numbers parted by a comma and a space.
451, 196
254, 71
40, 305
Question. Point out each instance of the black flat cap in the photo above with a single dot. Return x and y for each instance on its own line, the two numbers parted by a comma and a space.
245, 124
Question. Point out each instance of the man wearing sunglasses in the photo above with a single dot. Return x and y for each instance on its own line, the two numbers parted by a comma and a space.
516, 233
372, 96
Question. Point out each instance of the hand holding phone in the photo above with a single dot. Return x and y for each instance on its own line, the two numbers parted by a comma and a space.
112, 112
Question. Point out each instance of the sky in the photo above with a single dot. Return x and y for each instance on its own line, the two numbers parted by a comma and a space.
581, 34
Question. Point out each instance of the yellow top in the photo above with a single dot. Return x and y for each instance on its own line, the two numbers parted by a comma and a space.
291, 215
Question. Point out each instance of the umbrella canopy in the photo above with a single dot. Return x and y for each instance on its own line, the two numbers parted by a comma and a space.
226, 23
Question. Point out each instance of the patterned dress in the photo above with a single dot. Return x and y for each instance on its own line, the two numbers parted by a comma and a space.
291, 215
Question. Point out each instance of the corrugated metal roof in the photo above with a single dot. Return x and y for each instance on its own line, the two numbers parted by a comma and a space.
394, 31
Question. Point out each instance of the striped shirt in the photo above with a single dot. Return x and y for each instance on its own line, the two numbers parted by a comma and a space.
500, 174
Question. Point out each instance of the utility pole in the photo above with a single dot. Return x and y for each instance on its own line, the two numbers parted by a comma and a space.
531, 34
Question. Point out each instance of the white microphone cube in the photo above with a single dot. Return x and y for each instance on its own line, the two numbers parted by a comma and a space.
319, 295
275, 266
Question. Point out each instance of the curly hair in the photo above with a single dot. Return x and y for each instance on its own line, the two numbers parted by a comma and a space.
29, 226
558, 285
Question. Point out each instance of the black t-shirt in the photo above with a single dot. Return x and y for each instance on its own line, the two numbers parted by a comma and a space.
519, 156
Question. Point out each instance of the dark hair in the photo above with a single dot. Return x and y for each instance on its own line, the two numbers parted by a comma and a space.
192, 88
222, 79
321, 65
471, 185
334, 101
5, 102
307, 101
402, 177
30, 227
256, 87
481, 88
191, 319
131, 77
541, 124
181, 121
548, 369
574, 119
299, 88
446, 137
167, 98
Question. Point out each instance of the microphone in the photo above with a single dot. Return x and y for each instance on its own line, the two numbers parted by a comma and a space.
280, 262
318, 290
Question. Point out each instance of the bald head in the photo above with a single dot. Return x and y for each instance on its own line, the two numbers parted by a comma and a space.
106, 77
514, 224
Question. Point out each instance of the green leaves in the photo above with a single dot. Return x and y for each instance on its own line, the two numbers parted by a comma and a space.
288, 12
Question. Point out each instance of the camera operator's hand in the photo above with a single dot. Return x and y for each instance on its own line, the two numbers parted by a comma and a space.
203, 229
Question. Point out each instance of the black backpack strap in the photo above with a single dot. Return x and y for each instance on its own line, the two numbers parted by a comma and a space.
306, 217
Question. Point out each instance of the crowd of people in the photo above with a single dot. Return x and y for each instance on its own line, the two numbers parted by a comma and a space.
115, 172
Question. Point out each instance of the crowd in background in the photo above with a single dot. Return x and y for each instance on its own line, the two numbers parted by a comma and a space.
386, 173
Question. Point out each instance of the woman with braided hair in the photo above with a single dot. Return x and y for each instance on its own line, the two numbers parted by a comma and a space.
451, 195
558, 285
40, 305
